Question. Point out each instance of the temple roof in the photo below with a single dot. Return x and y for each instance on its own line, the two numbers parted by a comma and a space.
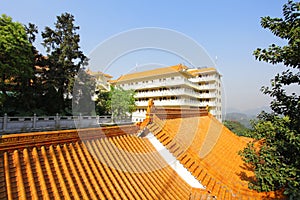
154, 72
119, 163
210, 152
103, 163
196, 71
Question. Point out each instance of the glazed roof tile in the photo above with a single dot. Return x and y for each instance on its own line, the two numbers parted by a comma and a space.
96, 167
154, 72
197, 71
210, 152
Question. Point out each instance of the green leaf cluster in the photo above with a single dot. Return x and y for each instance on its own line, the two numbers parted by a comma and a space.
276, 163
64, 58
118, 102
16, 64
275, 154
121, 102
103, 103
34, 83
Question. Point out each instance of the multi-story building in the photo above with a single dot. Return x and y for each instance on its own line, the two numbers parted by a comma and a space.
175, 86
209, 80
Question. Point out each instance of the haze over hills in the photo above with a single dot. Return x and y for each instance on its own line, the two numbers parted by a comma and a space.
250, 112
244, 117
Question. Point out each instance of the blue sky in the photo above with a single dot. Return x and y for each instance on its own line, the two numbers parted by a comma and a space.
229, 30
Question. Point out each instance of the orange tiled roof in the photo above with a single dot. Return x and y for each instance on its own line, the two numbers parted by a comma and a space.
113, 163
159, 71
201, 70
104, 163
88, 71
210, 152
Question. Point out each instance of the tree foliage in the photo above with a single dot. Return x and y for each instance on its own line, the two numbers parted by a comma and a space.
34, 83
288, 29
16, 66
64, 60
102, 103
277, 162
121, 102
237, 128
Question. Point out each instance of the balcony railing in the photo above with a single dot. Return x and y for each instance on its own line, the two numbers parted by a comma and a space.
203, 79
174, 92
177, 102
155, 84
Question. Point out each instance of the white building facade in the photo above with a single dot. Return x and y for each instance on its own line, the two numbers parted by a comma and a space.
175, 86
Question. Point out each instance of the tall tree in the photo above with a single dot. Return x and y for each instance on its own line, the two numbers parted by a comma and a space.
36, 91
16, 65
277, 162
64, 60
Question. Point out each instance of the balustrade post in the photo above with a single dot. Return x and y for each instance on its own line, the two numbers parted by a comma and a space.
57, 121
79, 120
5, 121
97, 119
34, 121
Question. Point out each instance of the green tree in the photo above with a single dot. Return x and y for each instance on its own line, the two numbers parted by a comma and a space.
121, 102
16, 66
64, 60
277, 162
102, 103
37, 89
237, 128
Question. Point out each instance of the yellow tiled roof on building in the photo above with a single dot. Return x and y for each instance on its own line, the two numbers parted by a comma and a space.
196, 71
154, 72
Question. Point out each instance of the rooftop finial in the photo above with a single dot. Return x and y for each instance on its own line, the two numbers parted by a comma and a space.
150, 107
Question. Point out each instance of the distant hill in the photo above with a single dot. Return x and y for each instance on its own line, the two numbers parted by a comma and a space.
255, 111
240, 117
245, 116
237, 128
